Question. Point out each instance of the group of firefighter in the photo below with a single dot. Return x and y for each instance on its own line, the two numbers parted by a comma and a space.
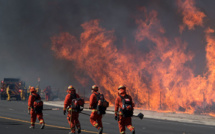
47, 92
73, 105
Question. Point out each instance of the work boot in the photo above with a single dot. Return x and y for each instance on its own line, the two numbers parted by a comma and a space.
133, 132
42, 126
32, 127
79, 130
100, 130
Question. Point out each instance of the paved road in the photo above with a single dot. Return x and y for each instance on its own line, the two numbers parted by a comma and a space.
14, 119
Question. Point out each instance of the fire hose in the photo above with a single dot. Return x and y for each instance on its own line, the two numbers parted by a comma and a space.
70, 119
140, 115
51, 109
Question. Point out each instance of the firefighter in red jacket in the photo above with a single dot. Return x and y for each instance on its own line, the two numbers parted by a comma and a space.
95, 118
34, 110
47, 92
125, 105
73, 113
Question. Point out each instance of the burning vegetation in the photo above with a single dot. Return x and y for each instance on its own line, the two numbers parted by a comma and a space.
160, 78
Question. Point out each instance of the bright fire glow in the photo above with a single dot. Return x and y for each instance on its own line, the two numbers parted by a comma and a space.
157, 80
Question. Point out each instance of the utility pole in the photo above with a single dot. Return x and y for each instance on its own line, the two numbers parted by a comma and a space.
148, 99
38, 82
204, 102
160, 99
136, 96
84, 93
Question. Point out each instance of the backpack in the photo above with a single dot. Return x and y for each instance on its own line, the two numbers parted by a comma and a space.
127, 108
77, 103
102, 104
38, 104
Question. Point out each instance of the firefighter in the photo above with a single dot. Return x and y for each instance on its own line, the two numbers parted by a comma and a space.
95, 118
25, 93
71, 104
22, 94
35, 107
8, 92
47, 92
38, 90
125, 105
28, 91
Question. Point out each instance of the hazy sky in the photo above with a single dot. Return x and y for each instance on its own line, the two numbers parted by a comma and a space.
26, 27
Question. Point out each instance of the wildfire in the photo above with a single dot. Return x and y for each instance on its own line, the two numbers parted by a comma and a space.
157, 80
191, 15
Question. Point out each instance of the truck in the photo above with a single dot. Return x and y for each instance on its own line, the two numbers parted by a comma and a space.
16, 87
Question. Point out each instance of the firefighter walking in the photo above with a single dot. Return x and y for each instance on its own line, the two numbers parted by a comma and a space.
37, 90
28, 92
95, 118
22, 94
47, 92
35, 107
125, 105
8, 92
72, 104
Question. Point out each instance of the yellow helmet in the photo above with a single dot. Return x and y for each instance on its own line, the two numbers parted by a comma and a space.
71, 88
32, 89
121, 87
95, 88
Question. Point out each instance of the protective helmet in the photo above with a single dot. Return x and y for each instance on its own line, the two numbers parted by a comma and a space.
32, 89
95, 88
121, 87
71, 88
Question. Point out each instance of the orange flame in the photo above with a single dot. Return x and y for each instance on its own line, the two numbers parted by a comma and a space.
157, 80
210, 56
191, 15
169, 77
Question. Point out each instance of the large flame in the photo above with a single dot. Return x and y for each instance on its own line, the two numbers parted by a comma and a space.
159, 79
191, 15
210, 56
